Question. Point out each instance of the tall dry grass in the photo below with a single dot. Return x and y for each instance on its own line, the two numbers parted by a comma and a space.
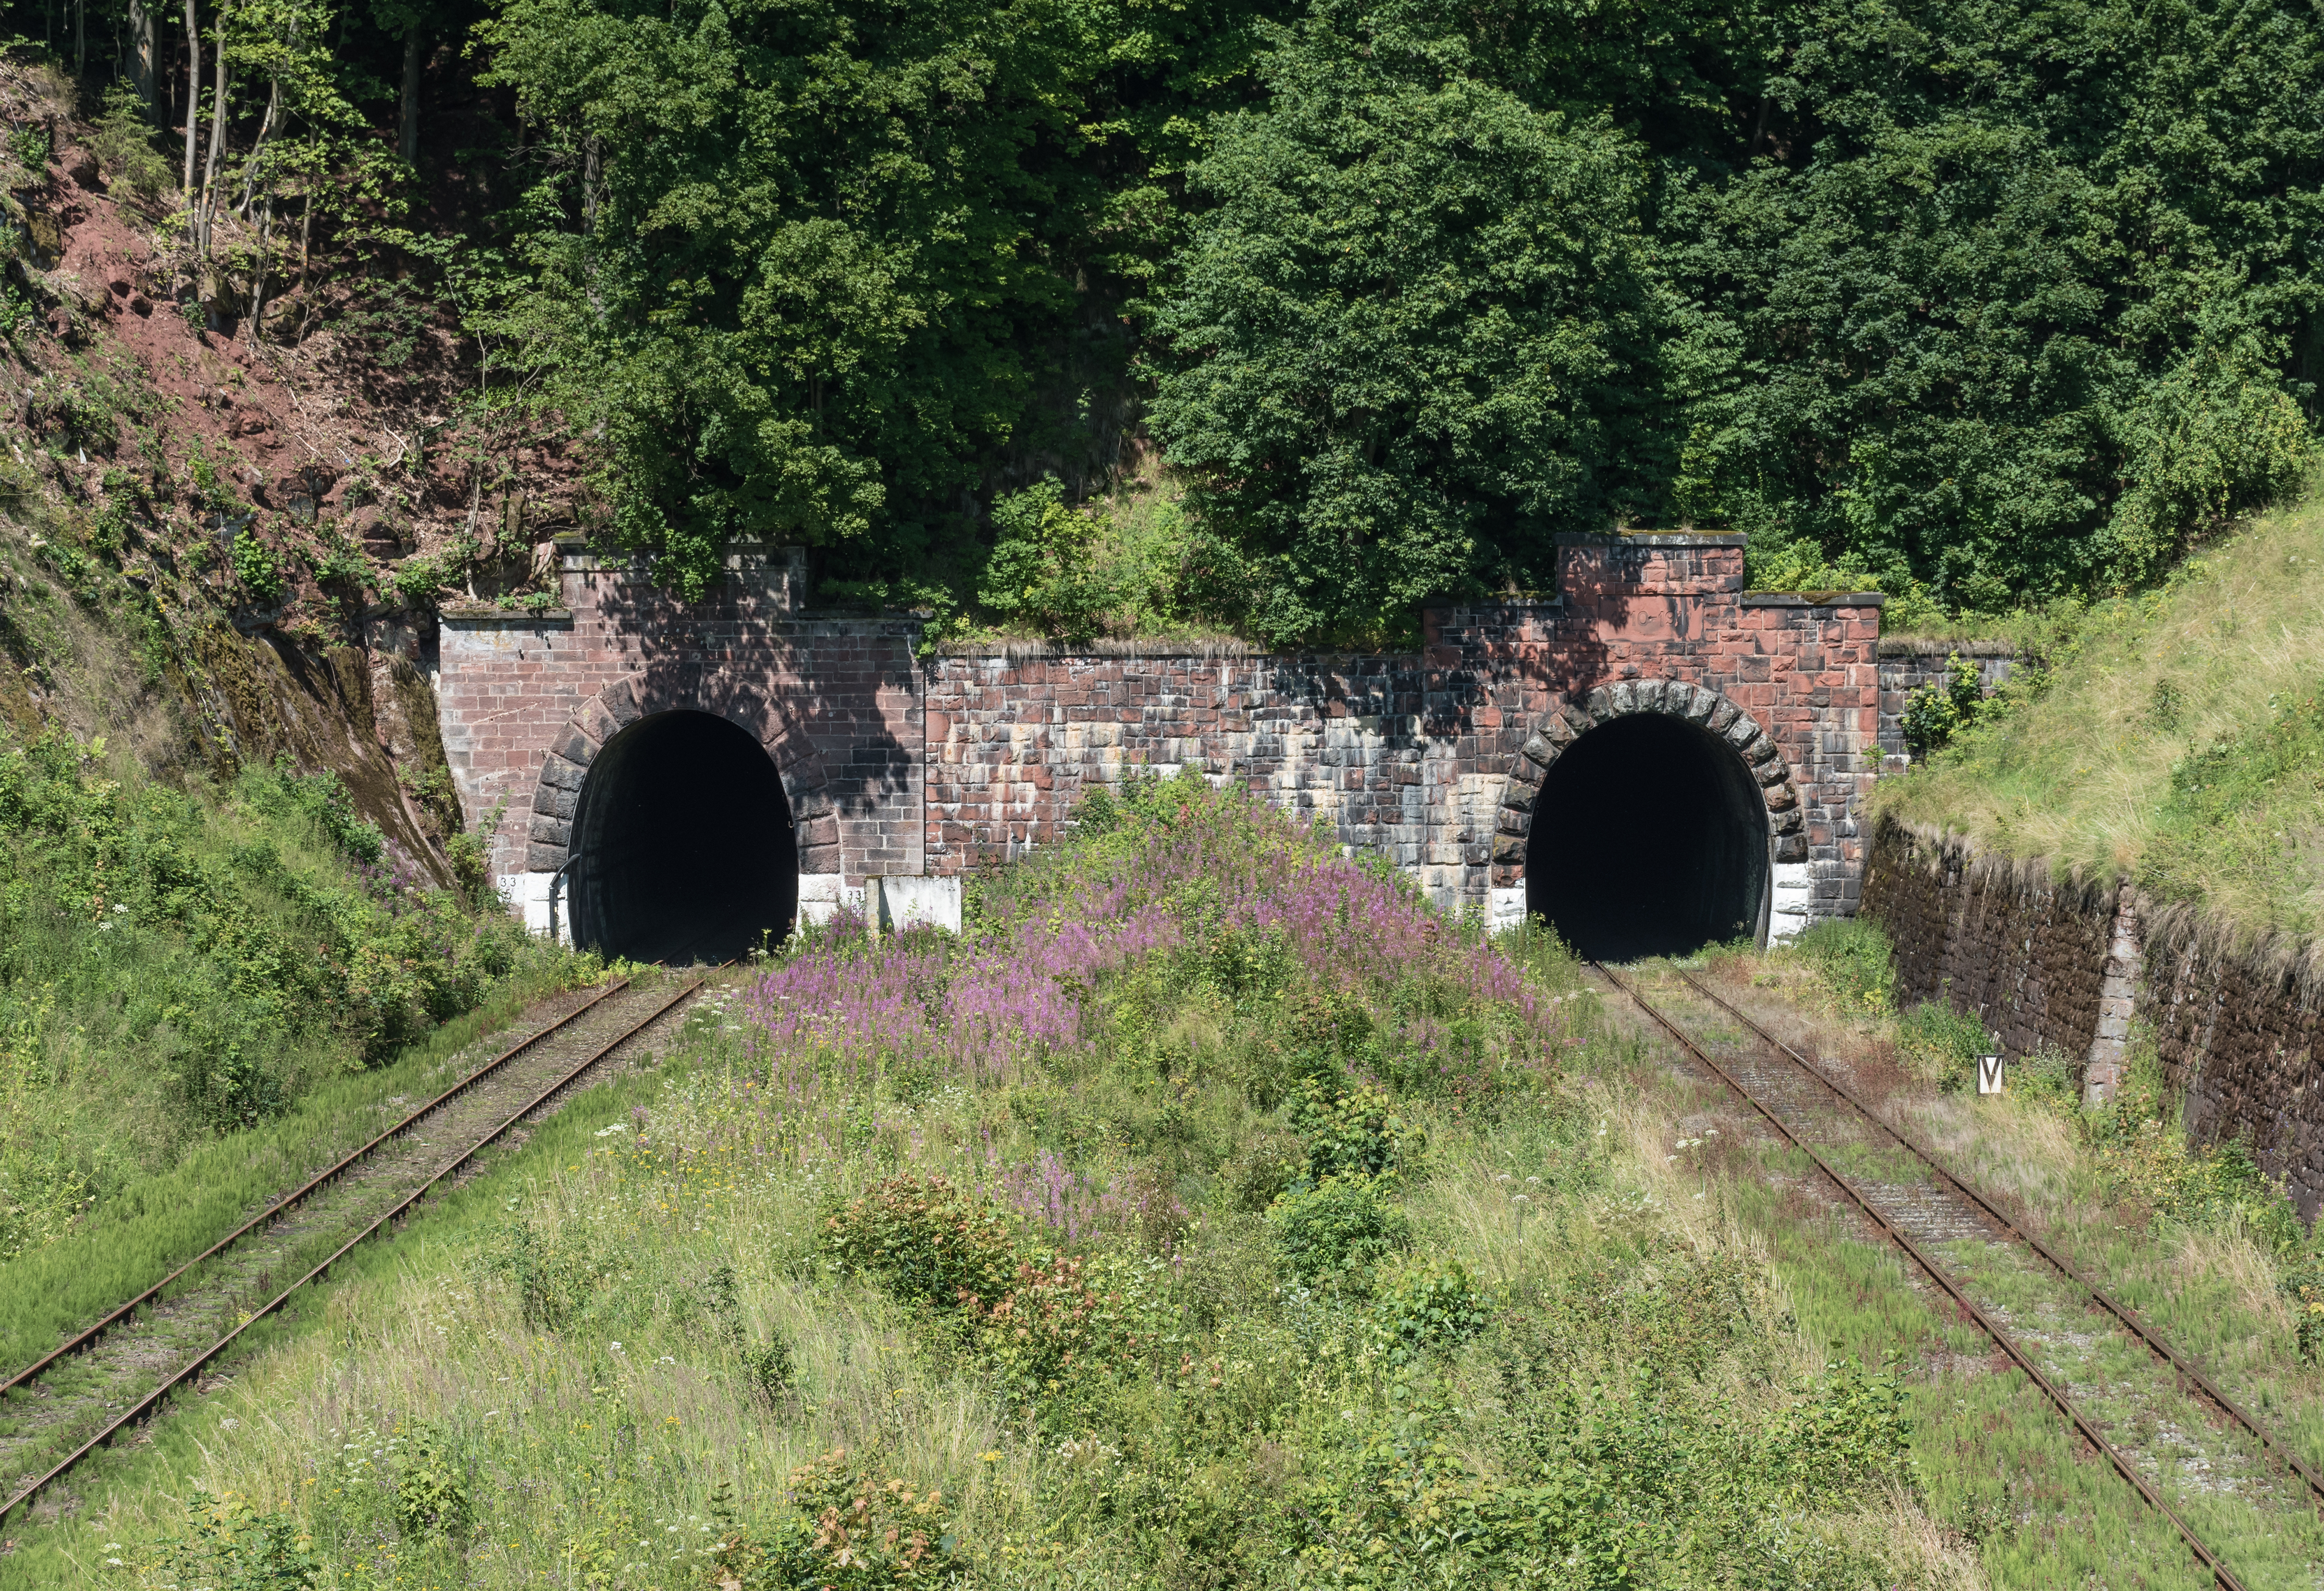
2081, 773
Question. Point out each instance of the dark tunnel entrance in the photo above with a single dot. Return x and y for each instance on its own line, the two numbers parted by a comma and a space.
1649, 838
682, 844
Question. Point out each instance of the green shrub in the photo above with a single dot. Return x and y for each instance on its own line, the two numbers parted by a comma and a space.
28, 145
16, 314
1338, 1230
924, 1240
1946, 1041
2303, 1285
230, 1545
255, 565
69, 415
418, 579
336, 560
321, 800
2046, 1075
1852, 957
1846, 1433
123, 143
1041, 576
1428, 1313
770, 1368
1262, 1170
431, 1487
1937, 710
1351, 1132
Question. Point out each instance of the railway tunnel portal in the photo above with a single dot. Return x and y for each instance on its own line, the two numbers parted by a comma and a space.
1650, 758
683, 845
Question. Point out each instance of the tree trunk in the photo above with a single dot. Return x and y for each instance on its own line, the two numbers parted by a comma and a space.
258, 287
265, 129
143, 76
193, 94
407, 126
589, 168
218, 142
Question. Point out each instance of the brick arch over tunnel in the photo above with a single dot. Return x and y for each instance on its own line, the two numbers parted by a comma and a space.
1649, 818
659, 795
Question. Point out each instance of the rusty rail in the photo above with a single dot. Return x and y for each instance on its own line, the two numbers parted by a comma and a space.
2130, 1322
88, 1338
2225, 1577
151, 1402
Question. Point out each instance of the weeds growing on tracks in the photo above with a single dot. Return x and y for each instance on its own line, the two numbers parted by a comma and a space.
190, 990
989, 1245
2191, 1237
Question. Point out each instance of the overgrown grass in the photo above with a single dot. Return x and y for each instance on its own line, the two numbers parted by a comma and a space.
187, 980
1212, 1214
2194, 1237
154, 1223
2177, 736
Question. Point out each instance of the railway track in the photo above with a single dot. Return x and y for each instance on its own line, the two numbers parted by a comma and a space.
473, 1092
1950, 1209
91, 1336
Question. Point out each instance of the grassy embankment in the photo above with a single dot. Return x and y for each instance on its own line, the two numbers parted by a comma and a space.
2194, 1238
1306, 1242
203, 993
2177, 736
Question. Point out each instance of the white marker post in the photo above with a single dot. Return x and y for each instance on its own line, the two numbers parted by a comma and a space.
1989, 1074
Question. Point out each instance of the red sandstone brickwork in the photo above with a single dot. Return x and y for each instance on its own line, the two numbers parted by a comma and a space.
525, 702
897, 766
1412, 756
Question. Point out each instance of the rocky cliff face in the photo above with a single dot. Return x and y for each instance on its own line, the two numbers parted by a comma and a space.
221, 539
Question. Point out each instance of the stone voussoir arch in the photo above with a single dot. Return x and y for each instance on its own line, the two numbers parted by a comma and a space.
1557, 730
557, 792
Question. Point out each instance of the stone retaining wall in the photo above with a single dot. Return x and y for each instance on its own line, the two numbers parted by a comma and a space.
1996, 938
2238, 1030
2073, 964
897, 764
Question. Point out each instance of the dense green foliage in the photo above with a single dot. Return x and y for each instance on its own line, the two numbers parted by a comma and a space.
822, 270
1942, 295
174, 967
1934, 711
1981, 304
1414, 332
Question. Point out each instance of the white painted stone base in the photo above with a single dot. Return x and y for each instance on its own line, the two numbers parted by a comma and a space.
1505, 909
901, 902
822, 894
528, 896
918, 902
1789, 914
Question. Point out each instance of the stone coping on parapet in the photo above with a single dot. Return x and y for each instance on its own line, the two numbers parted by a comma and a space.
1812, 599
554, 618
1223, 649
1651, 539
1936, 646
